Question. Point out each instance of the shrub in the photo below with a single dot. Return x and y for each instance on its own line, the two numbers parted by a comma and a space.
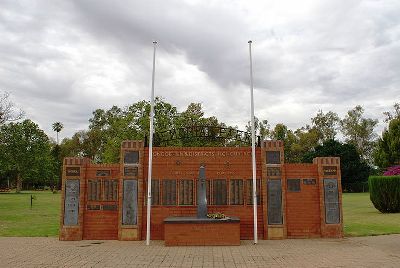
391, 171
385, 193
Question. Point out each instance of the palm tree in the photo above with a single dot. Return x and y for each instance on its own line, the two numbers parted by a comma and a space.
57, 127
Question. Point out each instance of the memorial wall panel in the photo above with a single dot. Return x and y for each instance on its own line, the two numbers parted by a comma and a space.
71, 202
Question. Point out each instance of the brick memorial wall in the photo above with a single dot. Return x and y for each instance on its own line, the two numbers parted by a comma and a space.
108, 201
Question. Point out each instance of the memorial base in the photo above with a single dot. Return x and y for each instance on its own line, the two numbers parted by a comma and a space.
191, 231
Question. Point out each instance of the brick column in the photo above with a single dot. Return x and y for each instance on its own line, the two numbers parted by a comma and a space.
131, 167
273, 181
73, 198
330, 192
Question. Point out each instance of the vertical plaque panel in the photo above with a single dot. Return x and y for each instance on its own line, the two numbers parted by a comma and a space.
332, 211
275, 202
129, 202
71, 202
273, 157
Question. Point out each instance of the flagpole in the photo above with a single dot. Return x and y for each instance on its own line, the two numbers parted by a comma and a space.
253, 149
150, 149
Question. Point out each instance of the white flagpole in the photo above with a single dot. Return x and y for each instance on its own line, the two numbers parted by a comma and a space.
150, 149
253, 149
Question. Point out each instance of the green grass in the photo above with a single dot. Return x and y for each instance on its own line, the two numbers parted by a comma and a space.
18, 219
361, 218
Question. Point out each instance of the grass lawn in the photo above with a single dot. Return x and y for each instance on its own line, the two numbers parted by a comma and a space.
18, 219
361, 218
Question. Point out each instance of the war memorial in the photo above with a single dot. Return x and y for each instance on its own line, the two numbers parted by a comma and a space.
108, 201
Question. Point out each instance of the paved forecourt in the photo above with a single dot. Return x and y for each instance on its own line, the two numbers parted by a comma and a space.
378, 251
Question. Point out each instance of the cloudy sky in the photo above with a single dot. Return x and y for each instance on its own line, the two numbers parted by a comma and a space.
60, 60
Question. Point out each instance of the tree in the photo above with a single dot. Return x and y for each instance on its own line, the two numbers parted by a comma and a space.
353, 168
394, 115
261, 128
8, 112
359, 131
326, 124
25, 151
57, 127
281, 132
388, 149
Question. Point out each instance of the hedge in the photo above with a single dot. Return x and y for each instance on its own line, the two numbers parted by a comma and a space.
385, 193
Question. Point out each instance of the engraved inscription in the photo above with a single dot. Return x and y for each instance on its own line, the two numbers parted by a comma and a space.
293, 185
273, 171
309, 181
273, 157
129, 203
93, 207
71, 203
330, 170
73, 171
110, 207
103, 173
332, 210
275, 202
131, 157
130, 171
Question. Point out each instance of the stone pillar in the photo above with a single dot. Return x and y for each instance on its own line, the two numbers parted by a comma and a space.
130, 198
73, 198
330, 192
274, 189
202, 194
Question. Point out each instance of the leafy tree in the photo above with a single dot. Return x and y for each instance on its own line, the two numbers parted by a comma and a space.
8, 112
388, 148
261, 128
57, 127
353, 168
25, 151
281, 132
326, 124
359, 131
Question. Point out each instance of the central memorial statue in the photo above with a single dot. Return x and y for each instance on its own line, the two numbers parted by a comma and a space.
201, 193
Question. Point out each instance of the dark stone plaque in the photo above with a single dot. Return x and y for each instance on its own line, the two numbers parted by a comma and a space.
332, 210
131, 171
93, 207
129, 202
110, 207
73, 171
330, 170
273, 157
71, 202
273, 171
131, 157
103, 173
309, 181
275, 202
201, 194
293, 185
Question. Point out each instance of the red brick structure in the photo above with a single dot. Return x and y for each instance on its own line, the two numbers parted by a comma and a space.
108, 201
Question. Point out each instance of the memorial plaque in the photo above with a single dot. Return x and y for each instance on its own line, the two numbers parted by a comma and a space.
309, 181
110, 207
293, 185
273, 171
273, 157
130, 171
73, 171
332, 210
129, 202
93, 207
71, 202
131, 157
275, 202
103, 173
330, 170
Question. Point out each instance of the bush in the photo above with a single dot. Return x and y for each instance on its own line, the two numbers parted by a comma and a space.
355, 187
384, 192
392, 171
